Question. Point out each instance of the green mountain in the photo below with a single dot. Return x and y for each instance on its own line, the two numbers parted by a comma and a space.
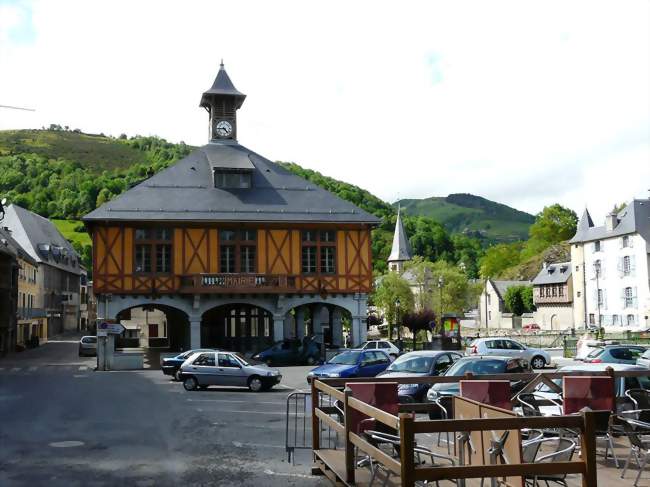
473, 216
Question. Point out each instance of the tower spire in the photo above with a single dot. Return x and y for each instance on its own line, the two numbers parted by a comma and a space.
401, 250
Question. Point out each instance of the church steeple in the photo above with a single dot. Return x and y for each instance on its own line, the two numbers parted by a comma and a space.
401, 251
222, 101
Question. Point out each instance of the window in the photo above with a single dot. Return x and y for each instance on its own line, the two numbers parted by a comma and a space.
205, 359
226, 360
598, 268
238, 251
577, 268
615, 320
233, 179
443, 363
319, 252
628, 297
592, 319
597, 246
627, 265
153, 250
560, 291
601, 301
578, 294
625, 241
554, 289
630, 320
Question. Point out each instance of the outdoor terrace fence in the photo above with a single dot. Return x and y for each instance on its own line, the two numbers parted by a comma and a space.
339, 464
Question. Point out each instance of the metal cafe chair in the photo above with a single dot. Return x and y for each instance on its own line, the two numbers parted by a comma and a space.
530, 404
563, 453
639, 446
420, 452
446, 406
641, 400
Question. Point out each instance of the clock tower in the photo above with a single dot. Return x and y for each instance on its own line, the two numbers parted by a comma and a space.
222, 102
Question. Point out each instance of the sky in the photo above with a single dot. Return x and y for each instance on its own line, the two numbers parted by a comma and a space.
528, 103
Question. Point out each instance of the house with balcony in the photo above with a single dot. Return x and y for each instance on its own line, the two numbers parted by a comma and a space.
610, 265
32, 320
553, 296
8, 290
56, 290
235, 250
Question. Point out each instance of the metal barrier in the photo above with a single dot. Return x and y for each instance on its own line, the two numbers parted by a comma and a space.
298, 426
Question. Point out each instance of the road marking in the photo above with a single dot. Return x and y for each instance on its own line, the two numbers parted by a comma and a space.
79, 376
255, 412
2, 368
83, 367
33, 368
233, 401
286, 474
255, 445
66, 444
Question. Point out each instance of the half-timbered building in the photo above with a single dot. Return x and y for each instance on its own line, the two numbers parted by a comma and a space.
238, 251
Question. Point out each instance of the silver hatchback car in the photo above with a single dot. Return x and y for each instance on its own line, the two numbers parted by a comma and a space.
507, 347
205, 369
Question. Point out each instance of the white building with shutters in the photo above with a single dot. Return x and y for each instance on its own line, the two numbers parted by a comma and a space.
610, 265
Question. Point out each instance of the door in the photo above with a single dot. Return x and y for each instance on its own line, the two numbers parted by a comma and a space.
515, 349
203, 368
229, 371
153, 331
372, 363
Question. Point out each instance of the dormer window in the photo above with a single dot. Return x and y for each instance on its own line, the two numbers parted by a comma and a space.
232, 179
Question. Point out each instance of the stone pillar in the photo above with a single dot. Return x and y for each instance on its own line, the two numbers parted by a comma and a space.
356, 332
337, 326
300, 322
289, 326
195, 333
278, 328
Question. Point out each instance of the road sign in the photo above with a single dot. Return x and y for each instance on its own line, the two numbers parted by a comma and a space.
112, 328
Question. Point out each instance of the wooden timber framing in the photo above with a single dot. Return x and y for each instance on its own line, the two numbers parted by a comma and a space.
195, 263
338, 465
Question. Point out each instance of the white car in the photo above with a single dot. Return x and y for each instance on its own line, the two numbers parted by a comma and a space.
383, 345
507, 347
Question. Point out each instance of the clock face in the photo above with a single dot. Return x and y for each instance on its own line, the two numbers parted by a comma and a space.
224, 129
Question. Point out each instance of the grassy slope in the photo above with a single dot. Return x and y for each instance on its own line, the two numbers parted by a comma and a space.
91, 151
494, 221
529, 268
67, 228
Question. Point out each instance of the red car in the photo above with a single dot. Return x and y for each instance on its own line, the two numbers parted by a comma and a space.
531, 327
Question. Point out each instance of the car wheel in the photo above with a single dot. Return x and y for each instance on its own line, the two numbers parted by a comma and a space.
255, 383
311, 360
177, 375
538, 362
190, 384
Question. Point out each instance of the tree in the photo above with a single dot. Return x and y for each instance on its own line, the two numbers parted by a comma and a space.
391, 288
417, 321
454, 288
518, 300
500, 257
420, 271
554, 224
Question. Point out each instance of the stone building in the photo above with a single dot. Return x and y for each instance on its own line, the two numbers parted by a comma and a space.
8, 291
492, 308
236, 250
553, 297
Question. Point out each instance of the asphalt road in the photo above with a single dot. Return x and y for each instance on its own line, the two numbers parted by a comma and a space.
62, 423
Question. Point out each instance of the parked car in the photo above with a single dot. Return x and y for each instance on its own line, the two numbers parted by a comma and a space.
615, 354
532, 327
419, 364
481, 365
644, 359
291, 352
622, 384
389, 347
507, 347
88, 346
171, 365
353, 363
204, 369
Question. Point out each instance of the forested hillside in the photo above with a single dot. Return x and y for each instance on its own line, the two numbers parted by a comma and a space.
473, 216
63, 174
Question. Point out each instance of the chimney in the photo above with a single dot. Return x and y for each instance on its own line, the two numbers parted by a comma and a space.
544, 265
611, 221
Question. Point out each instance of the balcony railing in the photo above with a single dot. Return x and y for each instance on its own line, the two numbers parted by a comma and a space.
239, 282
29, 313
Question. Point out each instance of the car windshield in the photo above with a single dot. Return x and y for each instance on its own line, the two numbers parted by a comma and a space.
244, 360
411, 364
483, 366
345, 358
90, 340
595, 352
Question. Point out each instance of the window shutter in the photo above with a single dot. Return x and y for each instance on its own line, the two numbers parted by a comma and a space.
630, 241
620, 267
621, 242
632, 265
602, 270
634, 299
623, 298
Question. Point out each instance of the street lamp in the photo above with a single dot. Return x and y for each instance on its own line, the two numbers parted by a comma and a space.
441, 283
399, 332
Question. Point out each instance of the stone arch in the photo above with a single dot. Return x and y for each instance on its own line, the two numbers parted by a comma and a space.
320, 319
554, 322
154, 324
240, 326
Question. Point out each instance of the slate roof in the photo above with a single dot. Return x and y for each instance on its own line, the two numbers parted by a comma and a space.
40, 239
185, 192
8, 245
553, 274
502, 286
401, 249
222, 86
634, 218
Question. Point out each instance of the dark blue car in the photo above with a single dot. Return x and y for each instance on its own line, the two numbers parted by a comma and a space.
291, 352
352, 363
171, 365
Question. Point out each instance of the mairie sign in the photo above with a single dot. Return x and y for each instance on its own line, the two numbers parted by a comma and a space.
112, 328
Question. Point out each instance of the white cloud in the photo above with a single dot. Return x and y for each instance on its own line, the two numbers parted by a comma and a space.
528, 103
